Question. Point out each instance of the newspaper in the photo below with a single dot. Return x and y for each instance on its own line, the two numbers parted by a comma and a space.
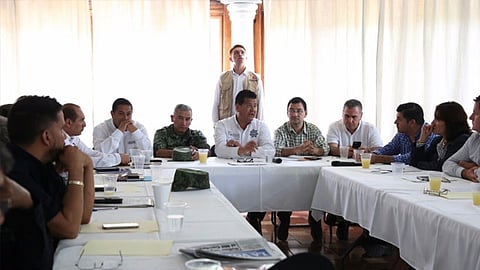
249, 249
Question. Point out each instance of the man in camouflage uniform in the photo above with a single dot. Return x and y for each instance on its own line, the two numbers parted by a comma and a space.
179, 134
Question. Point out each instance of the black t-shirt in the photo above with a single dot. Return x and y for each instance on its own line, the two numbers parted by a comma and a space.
25, 235
24, 241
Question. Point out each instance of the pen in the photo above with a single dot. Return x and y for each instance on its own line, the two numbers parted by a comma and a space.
105, 208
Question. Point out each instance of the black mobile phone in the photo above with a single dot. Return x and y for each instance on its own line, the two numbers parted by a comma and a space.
356, 144
108, 200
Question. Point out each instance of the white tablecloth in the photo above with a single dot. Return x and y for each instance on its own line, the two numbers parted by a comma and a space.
431, 232
209, 218
270, 187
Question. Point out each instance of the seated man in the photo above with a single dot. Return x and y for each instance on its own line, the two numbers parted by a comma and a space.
350, 129
409, 125
344, 132
120, 133
74, 124
465, 163
37, 145
179, 134
298, 137
243, 135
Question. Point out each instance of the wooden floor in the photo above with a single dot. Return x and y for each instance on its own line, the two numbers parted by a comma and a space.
299, 241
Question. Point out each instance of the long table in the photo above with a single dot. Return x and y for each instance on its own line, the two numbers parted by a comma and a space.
287, 186
431, 232
209, 217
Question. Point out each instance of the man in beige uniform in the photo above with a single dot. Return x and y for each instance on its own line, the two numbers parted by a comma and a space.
233, 81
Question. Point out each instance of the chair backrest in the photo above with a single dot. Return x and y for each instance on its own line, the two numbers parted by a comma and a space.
304, 261
212, 151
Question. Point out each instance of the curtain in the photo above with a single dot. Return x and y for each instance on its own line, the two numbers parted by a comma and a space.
154, 53
44, 49
383, 53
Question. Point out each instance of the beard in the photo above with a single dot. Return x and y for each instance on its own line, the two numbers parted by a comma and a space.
54, 153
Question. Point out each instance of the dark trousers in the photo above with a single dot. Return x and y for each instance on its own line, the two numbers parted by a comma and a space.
284, 217
255, 219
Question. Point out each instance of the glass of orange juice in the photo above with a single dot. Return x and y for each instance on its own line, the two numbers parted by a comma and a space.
366, 157
476, 194
435, 180
202, 155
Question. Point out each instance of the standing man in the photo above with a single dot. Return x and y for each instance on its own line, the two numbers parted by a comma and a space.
37, 145
243, 135
233, 81
179, 134
74, 125
298, 137
351, 128
120, 133
409, 124
465, 163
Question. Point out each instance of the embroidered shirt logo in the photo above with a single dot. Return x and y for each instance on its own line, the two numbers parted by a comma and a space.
253, 133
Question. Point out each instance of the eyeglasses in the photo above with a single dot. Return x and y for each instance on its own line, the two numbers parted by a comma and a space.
245, 160
299, 111
110, 264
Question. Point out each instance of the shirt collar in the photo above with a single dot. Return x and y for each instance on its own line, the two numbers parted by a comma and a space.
171, 131
291, 129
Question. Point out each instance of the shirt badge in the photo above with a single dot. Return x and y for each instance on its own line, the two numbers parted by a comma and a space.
253, 133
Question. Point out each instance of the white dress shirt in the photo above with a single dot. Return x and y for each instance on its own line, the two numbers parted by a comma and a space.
99, 159
108, 139
229, 129
365, 133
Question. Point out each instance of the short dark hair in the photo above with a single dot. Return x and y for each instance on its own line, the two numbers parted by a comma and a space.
411, 110
69, 111
477, 99
236, 46
182, 107
352, 103
120, 101
296, 100
242, 95
30, 116
5, 109
455, 119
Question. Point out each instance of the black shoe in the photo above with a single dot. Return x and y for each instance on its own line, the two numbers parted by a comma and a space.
342, 231
283, 246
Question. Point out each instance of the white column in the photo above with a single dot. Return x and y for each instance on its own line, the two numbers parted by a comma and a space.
242, 13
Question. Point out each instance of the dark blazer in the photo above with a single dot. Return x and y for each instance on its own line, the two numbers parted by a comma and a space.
427, 159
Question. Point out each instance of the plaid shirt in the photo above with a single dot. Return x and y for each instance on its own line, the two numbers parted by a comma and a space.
285, 136
166, 138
